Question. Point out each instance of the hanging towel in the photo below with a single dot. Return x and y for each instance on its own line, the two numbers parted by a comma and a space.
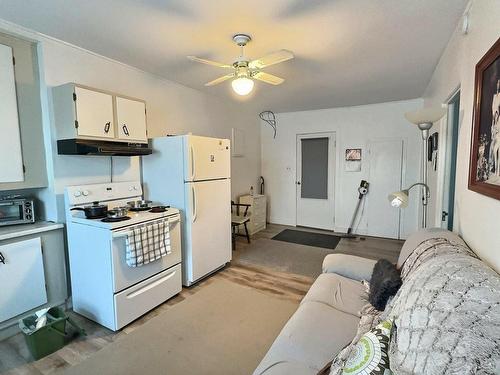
147, 243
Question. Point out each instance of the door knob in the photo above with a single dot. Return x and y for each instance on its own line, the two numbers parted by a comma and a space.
443, 215
298, 182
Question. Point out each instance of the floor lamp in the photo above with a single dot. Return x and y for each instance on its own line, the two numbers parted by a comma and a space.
424, 118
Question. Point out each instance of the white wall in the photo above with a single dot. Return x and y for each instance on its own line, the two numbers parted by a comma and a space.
354, 128
172, 109
477, 217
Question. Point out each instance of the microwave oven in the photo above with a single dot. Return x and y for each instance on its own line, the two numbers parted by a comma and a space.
16, 211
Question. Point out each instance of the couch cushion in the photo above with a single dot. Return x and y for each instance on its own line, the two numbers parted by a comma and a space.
351, 266
420, 236
344, 294
312, 336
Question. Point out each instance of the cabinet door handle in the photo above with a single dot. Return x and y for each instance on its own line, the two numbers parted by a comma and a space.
106, 127
125, 130
2, 258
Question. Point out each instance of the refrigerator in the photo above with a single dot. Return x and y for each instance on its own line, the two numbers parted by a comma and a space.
193, 174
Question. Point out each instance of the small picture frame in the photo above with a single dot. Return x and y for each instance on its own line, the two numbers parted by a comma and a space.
352, 160
353, 154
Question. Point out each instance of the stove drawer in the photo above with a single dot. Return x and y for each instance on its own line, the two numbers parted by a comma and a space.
130, 304
125, 276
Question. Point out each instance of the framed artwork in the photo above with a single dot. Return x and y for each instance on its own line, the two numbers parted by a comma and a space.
353, 154
484, 169
352, 160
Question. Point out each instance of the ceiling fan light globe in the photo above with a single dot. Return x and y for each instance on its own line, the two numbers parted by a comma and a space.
242, 85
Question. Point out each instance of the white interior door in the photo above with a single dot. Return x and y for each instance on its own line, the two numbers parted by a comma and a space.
11, 159
22, 278
131, 119
208, 158
315, 180
209, 225
386, 162
94, 112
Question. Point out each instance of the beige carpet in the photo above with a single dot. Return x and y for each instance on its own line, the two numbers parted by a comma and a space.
224, 328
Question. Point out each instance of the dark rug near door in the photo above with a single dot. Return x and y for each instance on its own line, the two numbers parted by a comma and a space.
326, 241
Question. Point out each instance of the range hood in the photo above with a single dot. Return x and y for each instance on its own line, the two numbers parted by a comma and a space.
104, 148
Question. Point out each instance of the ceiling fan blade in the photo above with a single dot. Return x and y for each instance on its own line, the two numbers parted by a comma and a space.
219, 80
271, 59
209, 62
268, 78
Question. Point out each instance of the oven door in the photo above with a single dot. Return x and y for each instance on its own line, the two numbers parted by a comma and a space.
11, 213
125, 276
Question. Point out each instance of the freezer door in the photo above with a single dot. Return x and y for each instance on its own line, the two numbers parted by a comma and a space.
207, 158
208, 228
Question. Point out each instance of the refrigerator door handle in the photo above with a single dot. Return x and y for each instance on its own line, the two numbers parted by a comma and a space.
193, 191
193, 167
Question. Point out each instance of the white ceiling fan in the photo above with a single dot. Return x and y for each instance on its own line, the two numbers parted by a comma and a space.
245, 70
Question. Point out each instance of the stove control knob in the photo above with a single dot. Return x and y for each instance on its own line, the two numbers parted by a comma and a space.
130, 188
77, 193
135, 187
85, 193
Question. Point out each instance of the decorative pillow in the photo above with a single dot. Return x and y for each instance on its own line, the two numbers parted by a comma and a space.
370, 317
384, 283
370, 355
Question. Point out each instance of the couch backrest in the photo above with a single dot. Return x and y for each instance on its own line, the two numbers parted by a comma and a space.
420, 236
447, 312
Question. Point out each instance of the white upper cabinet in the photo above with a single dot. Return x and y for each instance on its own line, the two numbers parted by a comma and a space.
82, 112
131, 119
11, 158
94, 113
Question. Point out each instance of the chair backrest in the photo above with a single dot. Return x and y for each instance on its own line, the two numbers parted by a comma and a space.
237, 206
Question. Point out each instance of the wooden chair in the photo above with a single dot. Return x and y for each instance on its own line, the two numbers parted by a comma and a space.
238, 219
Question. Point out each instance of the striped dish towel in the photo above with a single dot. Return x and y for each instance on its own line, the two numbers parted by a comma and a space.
147, 243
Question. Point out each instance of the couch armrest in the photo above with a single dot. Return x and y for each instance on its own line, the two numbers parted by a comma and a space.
353, 267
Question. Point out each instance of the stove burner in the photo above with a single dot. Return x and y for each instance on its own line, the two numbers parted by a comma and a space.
115, 219
140, 209
159, 209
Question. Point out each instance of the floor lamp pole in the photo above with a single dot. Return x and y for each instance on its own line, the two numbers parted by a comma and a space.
424, 127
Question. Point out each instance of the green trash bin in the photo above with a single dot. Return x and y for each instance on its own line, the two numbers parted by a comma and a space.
49, 338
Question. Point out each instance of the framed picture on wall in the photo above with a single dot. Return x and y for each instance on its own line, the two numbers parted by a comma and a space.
484, 170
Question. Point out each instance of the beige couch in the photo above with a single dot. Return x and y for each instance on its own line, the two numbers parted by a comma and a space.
328, 316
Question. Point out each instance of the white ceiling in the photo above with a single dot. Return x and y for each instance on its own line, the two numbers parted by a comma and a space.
348, 52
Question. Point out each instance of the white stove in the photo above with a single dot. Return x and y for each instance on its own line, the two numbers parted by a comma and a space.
104, 288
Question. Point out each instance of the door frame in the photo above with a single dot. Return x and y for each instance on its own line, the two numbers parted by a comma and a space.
445, 135
332, 169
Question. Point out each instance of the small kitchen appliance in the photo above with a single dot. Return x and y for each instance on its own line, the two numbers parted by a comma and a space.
16, 210
104, 287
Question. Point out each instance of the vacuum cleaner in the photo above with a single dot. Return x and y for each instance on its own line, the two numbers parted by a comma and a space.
362, 190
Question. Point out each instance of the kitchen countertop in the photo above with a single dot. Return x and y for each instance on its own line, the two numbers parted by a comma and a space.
13, 231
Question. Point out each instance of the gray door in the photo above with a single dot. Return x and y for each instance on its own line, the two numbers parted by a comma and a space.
315, 180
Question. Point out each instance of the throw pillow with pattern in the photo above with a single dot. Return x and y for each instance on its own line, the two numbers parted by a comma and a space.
370, 355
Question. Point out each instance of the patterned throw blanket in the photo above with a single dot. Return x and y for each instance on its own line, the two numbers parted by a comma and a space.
446, 314
147, 243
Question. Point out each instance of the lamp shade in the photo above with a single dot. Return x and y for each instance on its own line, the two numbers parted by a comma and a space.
242, 85
425, 115
399, 199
